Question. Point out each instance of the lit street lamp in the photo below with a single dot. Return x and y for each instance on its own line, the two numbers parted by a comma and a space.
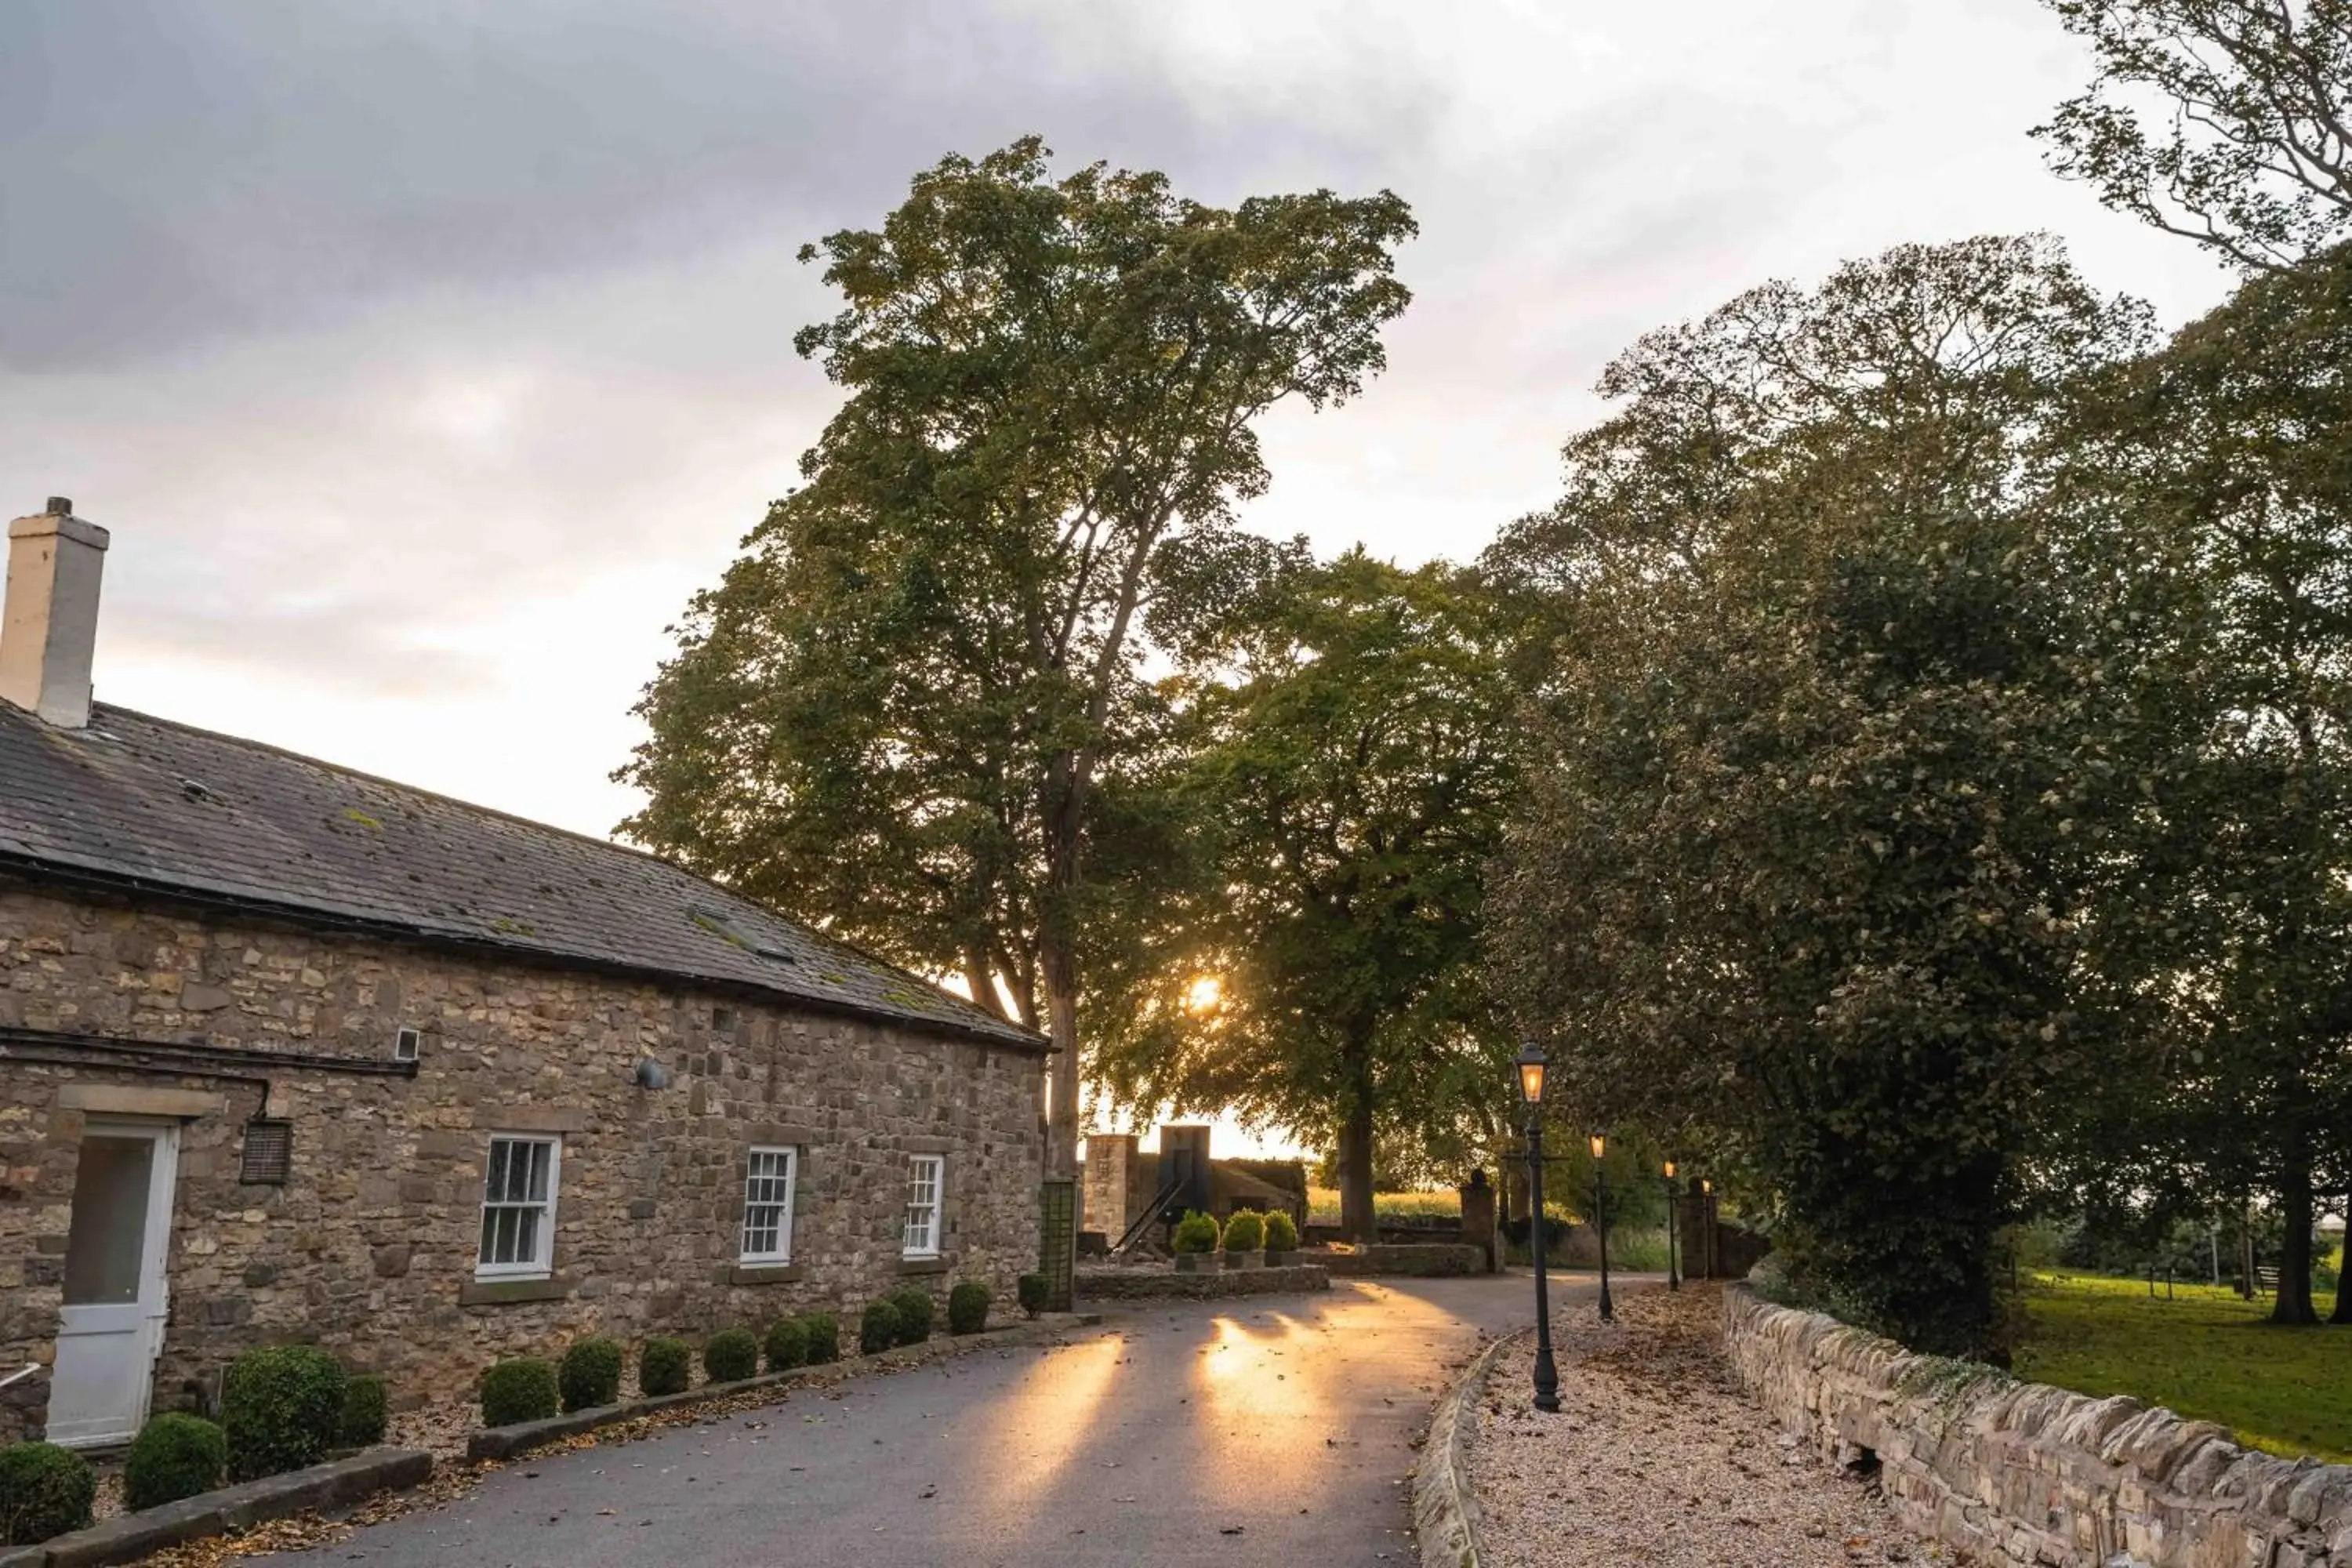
1600, 1214
1531, 1088
1674, 1282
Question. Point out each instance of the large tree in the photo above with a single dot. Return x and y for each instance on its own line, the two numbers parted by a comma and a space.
905, 712
2227, 122
1834, 739
1355, 741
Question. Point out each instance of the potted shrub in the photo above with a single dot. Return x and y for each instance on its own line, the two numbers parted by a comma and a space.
1034, 1293
282, 1409
174, 1456
1244, 1236
824, 1338
1196, 1243
914, 1305
787, 1344
1281, 1241
878, 1329
367, 1411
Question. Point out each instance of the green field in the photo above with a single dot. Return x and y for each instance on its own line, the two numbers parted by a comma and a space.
2205, 1353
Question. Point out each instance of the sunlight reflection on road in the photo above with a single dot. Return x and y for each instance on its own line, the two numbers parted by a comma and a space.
1044, 1421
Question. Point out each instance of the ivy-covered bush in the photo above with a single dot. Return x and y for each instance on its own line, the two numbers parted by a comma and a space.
174, 1456
367, 1411
915, 1311
823, 1336
589, 1373
731, 1355
1245, 1231
44, 1490
1196, 1232
522, 1389
1034, 1293
281, 1409
878, 1331
787, 1344
967, 1308
1281, 1235
664, 1366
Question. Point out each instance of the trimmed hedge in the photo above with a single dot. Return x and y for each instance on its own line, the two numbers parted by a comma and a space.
522, 1389
1281, 1235
282, 1409
823, 1336
589, 1373
915, 1310
731, 1355
44, 1490
174, 1456
967, 1308
1245, 1231
879, 1328
664, 1366
367, 1411
787, 1345
1034, 1293
1196, 1232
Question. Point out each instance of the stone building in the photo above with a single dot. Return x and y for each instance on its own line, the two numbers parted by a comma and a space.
288, 1053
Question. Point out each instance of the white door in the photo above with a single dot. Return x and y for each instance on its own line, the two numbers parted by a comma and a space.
116, 1298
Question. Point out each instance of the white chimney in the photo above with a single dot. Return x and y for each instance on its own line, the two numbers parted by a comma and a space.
48, 629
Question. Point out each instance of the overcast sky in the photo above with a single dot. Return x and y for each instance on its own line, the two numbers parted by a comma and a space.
424, 356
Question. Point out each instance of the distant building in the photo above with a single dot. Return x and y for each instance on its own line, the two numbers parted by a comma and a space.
287, 1052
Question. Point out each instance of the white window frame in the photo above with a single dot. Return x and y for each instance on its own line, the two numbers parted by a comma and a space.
541, 1263
924, 1242
752, 1158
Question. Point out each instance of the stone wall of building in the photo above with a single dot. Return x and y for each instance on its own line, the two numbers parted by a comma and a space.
2023, 1474
370, 1247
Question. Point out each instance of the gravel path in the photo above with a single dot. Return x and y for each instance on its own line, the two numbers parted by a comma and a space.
1656, 1458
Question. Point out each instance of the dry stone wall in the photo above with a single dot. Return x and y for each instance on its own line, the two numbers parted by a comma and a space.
2024, 1474
369, 1248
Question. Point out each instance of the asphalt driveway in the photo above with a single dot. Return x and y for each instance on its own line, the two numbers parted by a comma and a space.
1270, 1432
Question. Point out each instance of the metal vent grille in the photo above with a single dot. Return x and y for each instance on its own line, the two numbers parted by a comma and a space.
269, 1152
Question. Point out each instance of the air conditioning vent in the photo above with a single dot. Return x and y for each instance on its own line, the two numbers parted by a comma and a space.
406, 1044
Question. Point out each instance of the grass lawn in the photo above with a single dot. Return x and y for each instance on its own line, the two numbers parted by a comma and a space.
2205, 1353
1323, 1204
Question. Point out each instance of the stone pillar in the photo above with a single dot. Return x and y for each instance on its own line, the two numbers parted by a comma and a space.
1110, 1159
1478, 1219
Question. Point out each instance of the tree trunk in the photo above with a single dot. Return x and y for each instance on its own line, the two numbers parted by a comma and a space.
2293, 1302
1356, 1216
1062, 1029
2343, 1312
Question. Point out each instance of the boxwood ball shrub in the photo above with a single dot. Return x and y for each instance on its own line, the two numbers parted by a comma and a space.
44, 1490
967, 1308
174, 1456
1196, 1232
787, 1344
1245, 1231
914, 1315
1281, 1235
664, 1366
878, 1331
1032, 1291
522, 1389
281, 1409
731, 1355
367, 1411
589, 1373
824, 1338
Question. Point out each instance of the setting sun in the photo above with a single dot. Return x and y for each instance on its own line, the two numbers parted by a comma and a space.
1204, 994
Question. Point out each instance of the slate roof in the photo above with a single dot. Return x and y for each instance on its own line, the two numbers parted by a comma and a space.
138, 800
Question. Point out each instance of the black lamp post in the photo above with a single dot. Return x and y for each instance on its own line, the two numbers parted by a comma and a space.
1601, 1212
1531, 1088
1674, 1281
1706, 1218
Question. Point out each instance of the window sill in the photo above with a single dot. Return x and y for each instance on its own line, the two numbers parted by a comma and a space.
937, 1265
502, 1292
765, 1274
